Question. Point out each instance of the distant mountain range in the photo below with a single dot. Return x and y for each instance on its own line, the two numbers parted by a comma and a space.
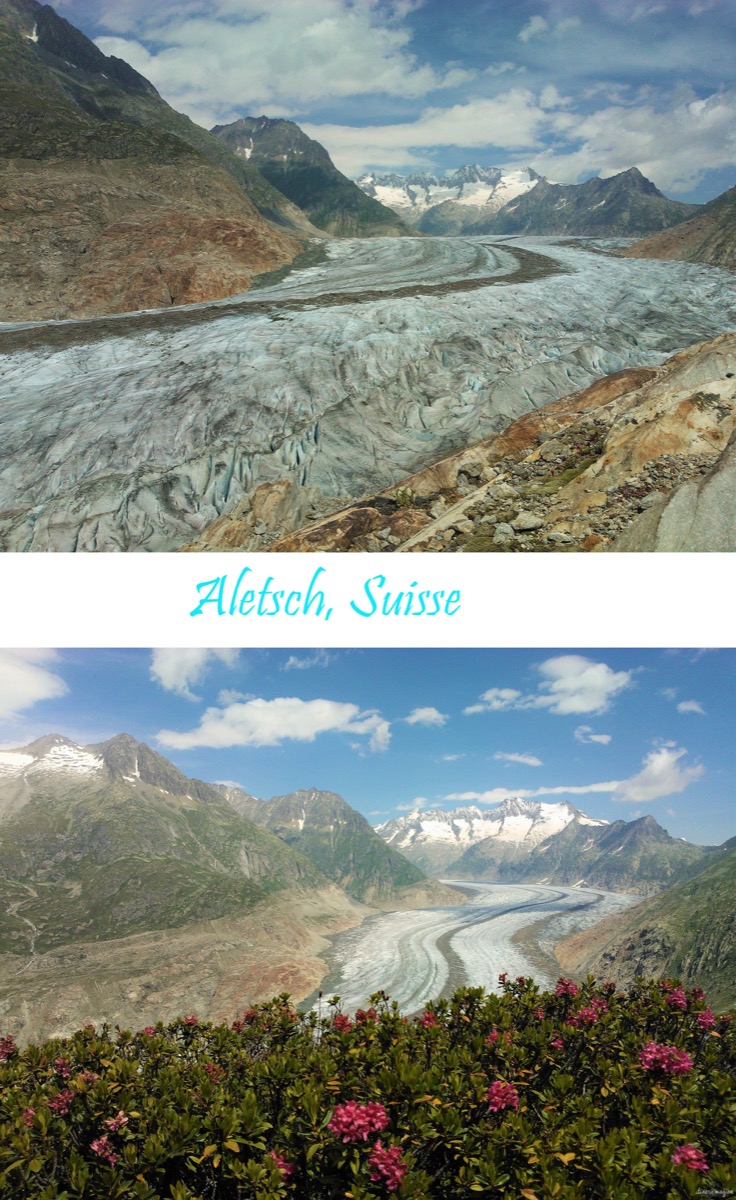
689, 931
302, 170
486, 200
525, 841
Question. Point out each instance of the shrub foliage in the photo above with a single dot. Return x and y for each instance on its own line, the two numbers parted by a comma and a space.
578, 1092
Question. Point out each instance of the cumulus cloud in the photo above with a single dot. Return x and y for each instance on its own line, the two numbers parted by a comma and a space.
691, 706
571, 684
426, 716
26, 678
417, 803
661, 775
219, 59
526, 760
271, 722
574, 684
585, 734
178, 670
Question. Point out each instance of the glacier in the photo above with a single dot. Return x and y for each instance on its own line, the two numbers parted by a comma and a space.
135, 433
424, 954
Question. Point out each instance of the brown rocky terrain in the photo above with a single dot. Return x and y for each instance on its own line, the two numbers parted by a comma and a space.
708, 237
605, 468
84, 239
215, 969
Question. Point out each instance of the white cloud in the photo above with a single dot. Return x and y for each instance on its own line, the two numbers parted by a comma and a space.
526, 760
533, 28
178, 670
495, 700
230, 695
451, 757
320, 658
224, 58
691, 706
426, 716
413, 805
25, 680
270, 722
571, 684
669, 693
584, 734
575, 684
660, 776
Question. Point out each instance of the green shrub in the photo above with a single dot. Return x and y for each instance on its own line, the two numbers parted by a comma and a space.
577, 1093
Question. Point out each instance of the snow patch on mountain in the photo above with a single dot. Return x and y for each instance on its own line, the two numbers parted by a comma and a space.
490, 188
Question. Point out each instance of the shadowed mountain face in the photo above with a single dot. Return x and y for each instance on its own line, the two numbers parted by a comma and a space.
623, 206
102, 841
110, 199
689, 931
302, 170
336, 838
708, 237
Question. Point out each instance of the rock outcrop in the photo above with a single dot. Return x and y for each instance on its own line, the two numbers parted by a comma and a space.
644, 459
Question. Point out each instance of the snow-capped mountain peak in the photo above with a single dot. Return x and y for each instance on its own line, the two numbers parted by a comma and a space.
52, 753
484, 188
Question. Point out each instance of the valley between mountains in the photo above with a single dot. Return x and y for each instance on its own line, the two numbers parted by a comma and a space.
130, 892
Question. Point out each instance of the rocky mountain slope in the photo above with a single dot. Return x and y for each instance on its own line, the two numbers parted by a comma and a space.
708, 237
436, 840
452, 203
644, 459
343, 846
130, 892
301, 169
110, 199
688, 931
479, 200
624, 205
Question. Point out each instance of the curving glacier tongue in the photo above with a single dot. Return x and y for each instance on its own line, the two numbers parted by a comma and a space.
136, 433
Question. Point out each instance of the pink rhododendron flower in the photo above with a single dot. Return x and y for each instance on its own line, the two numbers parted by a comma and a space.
353, 1122
492, 1038
342, 1023
387, 1166
677, 999
28, 1116
706, 1020
365, 1016
115, 1124
539, 1014
149, 1030
61, 1102
192, 1020
502, 1095
102, 1147
558, 1044
668, 1059
599, 1004
690, 1156
63, 1068
89, 1077
214, 1072
284, 1167
7, 1047
588, 1016
428, 1020
566, 987
503, 977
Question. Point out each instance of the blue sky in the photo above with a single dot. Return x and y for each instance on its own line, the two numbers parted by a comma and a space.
620, 733
573, 89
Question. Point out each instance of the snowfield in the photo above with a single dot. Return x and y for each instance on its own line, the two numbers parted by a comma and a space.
419, 956
135, 433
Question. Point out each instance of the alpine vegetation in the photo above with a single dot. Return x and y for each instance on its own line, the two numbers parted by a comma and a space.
577, 1093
